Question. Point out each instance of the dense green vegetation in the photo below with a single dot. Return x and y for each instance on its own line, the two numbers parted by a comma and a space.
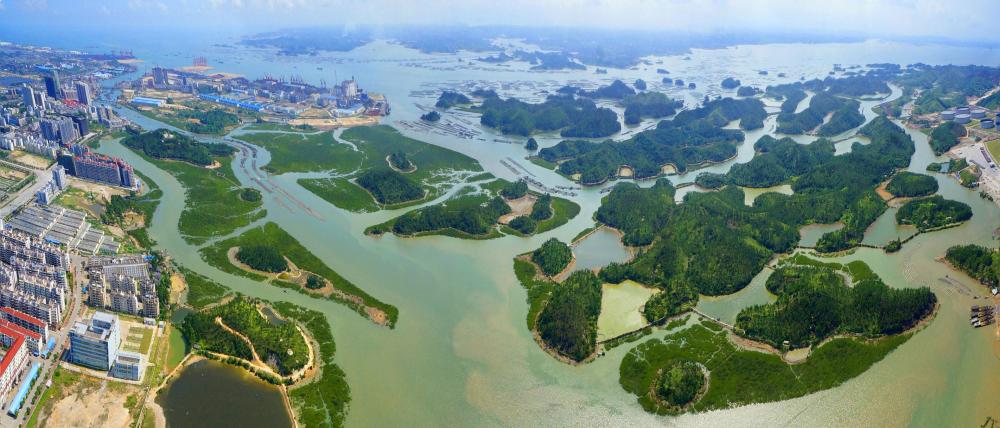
907, 184
711, 244
747, 91
524, 224
814, 303
790, 94
305, 152
323, 402
846, 115
202, 290
531, 145
568, 323
945, 136
979, 262
740, 377
399, 161
946, 86
679, 383
573, 117
163, 144
213, 121
389, 187
250, 194
431, 116
617, 90
450, 99
932, 212
538, 290
263, 258
542, 209
278, 344
515, 189
779, 160
552, 257
648, 104
473, 213
464, 214
270, 234
640, 84
693, 137
202, 332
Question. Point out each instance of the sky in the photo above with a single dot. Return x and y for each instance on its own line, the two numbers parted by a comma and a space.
940, 19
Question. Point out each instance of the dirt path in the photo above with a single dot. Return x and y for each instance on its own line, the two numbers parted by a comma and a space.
518, 207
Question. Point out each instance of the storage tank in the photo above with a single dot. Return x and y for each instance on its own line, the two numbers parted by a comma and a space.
962, 118
948, 115
962, 110
978, 113
987, 124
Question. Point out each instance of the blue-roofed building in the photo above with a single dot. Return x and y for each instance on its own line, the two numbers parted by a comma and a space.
145, 101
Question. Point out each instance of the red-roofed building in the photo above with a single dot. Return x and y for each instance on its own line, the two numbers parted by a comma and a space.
14, 359
32, 340
26, 321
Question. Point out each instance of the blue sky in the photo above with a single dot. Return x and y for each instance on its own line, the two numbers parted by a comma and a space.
957, 19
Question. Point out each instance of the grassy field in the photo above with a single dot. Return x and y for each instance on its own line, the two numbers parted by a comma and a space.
213, 206
270, 234
739, 377
538, 291
139, 339
177, 350
201, 289
994, 148
61, 380
321, 152
341, 193
305, 153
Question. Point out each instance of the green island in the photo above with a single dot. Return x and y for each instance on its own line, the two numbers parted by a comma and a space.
692, 138
449, 99
739, 377
816, 302
945, 136
907, 184
977, 261
431, 116
278, 242
372, 168
213, 205
567, 324
476, 211
932, 213
164, 144
747, 91
648, 105
845, 113
572, 117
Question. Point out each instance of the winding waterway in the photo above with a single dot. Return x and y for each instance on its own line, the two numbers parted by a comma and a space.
461, 354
